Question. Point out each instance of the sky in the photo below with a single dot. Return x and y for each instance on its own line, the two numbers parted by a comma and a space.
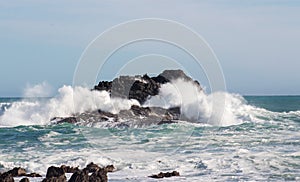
257, 42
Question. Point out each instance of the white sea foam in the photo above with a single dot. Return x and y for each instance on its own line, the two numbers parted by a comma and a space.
68, 101
196, 106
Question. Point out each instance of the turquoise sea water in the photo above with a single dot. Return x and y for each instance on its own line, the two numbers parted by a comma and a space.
275, 103
265, 146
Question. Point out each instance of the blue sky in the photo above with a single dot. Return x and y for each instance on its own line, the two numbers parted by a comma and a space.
257, 42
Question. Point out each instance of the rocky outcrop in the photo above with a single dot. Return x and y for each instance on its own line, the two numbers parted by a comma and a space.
132, 87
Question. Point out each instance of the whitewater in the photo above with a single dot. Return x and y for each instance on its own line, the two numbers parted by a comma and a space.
257, 139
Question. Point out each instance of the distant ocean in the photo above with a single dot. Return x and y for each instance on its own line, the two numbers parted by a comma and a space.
263, 146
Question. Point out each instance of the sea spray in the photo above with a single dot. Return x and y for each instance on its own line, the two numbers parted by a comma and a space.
184, 94
69, 101
43, 89
196, 106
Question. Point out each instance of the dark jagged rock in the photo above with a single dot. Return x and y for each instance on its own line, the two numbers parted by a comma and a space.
97, 116
24, 180
140, 88
165, 175
121, 86
104, 85
99, 176
160, 79
6, 177
140, 111
71, 120
9, 175
17, 171
135, 116
69, 169
55, 179
110, 168
55, 174
175, 74
131, 87
91, 167
80, 176
33, 175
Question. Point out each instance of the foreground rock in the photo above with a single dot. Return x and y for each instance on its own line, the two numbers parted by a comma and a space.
165, 175
16, 172
57, 174
98, 174
5, 177
91, 173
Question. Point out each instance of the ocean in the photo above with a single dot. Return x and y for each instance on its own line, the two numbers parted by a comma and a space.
264, 145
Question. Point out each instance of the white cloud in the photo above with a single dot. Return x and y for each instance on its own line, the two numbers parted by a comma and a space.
39, 90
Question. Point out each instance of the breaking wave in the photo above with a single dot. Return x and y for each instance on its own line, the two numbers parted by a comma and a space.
196, 106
